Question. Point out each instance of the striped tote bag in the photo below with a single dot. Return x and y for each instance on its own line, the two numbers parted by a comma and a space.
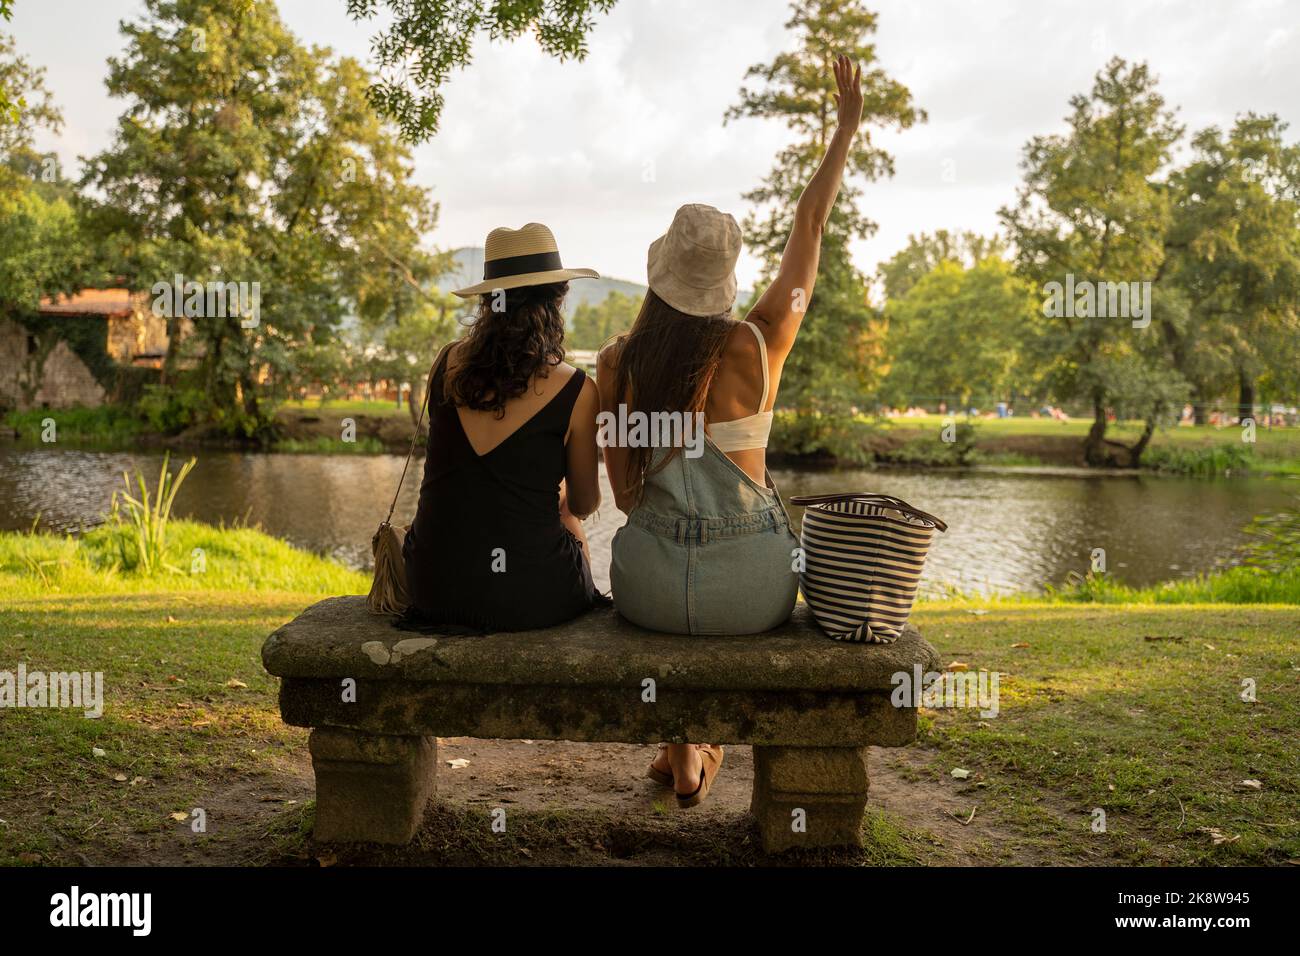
863, 556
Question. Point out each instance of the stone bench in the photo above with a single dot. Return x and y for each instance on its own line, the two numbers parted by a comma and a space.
377, 698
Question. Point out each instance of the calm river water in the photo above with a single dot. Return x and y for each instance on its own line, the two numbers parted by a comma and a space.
1007, 532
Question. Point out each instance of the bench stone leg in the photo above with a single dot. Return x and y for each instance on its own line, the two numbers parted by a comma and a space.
371, 788
829, 784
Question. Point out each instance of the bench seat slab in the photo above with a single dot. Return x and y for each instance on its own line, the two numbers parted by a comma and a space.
612, 714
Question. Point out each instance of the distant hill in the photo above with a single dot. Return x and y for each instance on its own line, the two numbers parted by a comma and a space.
469, 270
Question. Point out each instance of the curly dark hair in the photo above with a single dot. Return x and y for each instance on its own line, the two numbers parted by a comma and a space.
508, 345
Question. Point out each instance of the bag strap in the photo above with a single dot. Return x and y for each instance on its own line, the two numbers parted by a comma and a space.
897, 504
428, 388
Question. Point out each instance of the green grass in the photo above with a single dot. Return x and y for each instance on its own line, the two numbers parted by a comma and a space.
1237, 585
208, 558
105, 424
1136, 710
116, 426
323, 445
1133, 708
174, 719
174, 649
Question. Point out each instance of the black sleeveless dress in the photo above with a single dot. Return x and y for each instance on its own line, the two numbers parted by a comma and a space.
487, 550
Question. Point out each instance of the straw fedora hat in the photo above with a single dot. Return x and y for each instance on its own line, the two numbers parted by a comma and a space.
692, 266
514, 258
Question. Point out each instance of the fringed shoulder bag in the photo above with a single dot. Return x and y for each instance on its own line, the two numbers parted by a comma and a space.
388, 590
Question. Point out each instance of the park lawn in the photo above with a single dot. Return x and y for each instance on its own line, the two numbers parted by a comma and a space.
186, 699
178, 727
1133, 709
176, 719
1089, 705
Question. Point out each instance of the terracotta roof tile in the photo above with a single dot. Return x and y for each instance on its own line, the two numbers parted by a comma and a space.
89, 302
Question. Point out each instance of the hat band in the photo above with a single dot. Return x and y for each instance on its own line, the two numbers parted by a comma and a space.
521, 265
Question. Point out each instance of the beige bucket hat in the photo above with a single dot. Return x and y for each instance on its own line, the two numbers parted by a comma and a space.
692, 266
514, 258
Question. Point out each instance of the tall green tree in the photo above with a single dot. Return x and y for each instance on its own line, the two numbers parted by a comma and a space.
1234, 255
923, 253
957, 333
242, 156
10, 104
1094, 209
839, 355
593, 325
42, 248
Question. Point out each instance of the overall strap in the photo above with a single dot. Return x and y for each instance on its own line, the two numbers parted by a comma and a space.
762, 357
428, 387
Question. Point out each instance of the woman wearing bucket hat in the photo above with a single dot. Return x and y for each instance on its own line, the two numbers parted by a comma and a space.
708, 547
511, 466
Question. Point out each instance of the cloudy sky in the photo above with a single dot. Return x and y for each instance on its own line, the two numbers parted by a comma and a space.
605, 150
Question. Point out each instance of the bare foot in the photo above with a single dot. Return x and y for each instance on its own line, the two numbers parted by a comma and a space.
687, 766
661, 763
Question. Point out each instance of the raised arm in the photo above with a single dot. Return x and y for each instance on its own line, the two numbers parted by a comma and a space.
780, 309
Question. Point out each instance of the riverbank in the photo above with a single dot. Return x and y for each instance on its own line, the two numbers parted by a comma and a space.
934, 441
1133, 708
367, 428
930, 441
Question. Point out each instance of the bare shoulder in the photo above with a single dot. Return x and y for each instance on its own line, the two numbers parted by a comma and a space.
586, 404
608, 356
742, 345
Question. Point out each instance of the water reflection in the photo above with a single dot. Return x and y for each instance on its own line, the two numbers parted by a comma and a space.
1006, 532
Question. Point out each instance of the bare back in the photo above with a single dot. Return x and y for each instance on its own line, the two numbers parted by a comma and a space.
485, 432
736, 389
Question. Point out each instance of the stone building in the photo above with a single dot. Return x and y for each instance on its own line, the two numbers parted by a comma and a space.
73, 350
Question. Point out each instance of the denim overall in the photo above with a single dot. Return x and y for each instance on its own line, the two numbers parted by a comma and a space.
707, 551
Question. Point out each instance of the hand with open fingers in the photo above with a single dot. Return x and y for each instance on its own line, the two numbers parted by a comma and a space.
848, 98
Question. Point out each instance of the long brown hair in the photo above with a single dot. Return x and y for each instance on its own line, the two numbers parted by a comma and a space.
666, 363
507, 346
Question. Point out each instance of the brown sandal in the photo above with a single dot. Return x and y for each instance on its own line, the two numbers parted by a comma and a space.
659, 776
710, 764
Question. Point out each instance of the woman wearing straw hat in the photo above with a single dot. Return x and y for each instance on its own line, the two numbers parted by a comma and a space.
708, 547
511, 468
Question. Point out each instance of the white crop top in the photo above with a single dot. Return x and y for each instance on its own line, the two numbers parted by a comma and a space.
752, 431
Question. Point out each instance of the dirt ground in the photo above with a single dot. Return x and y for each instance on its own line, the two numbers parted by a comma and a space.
580, 805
